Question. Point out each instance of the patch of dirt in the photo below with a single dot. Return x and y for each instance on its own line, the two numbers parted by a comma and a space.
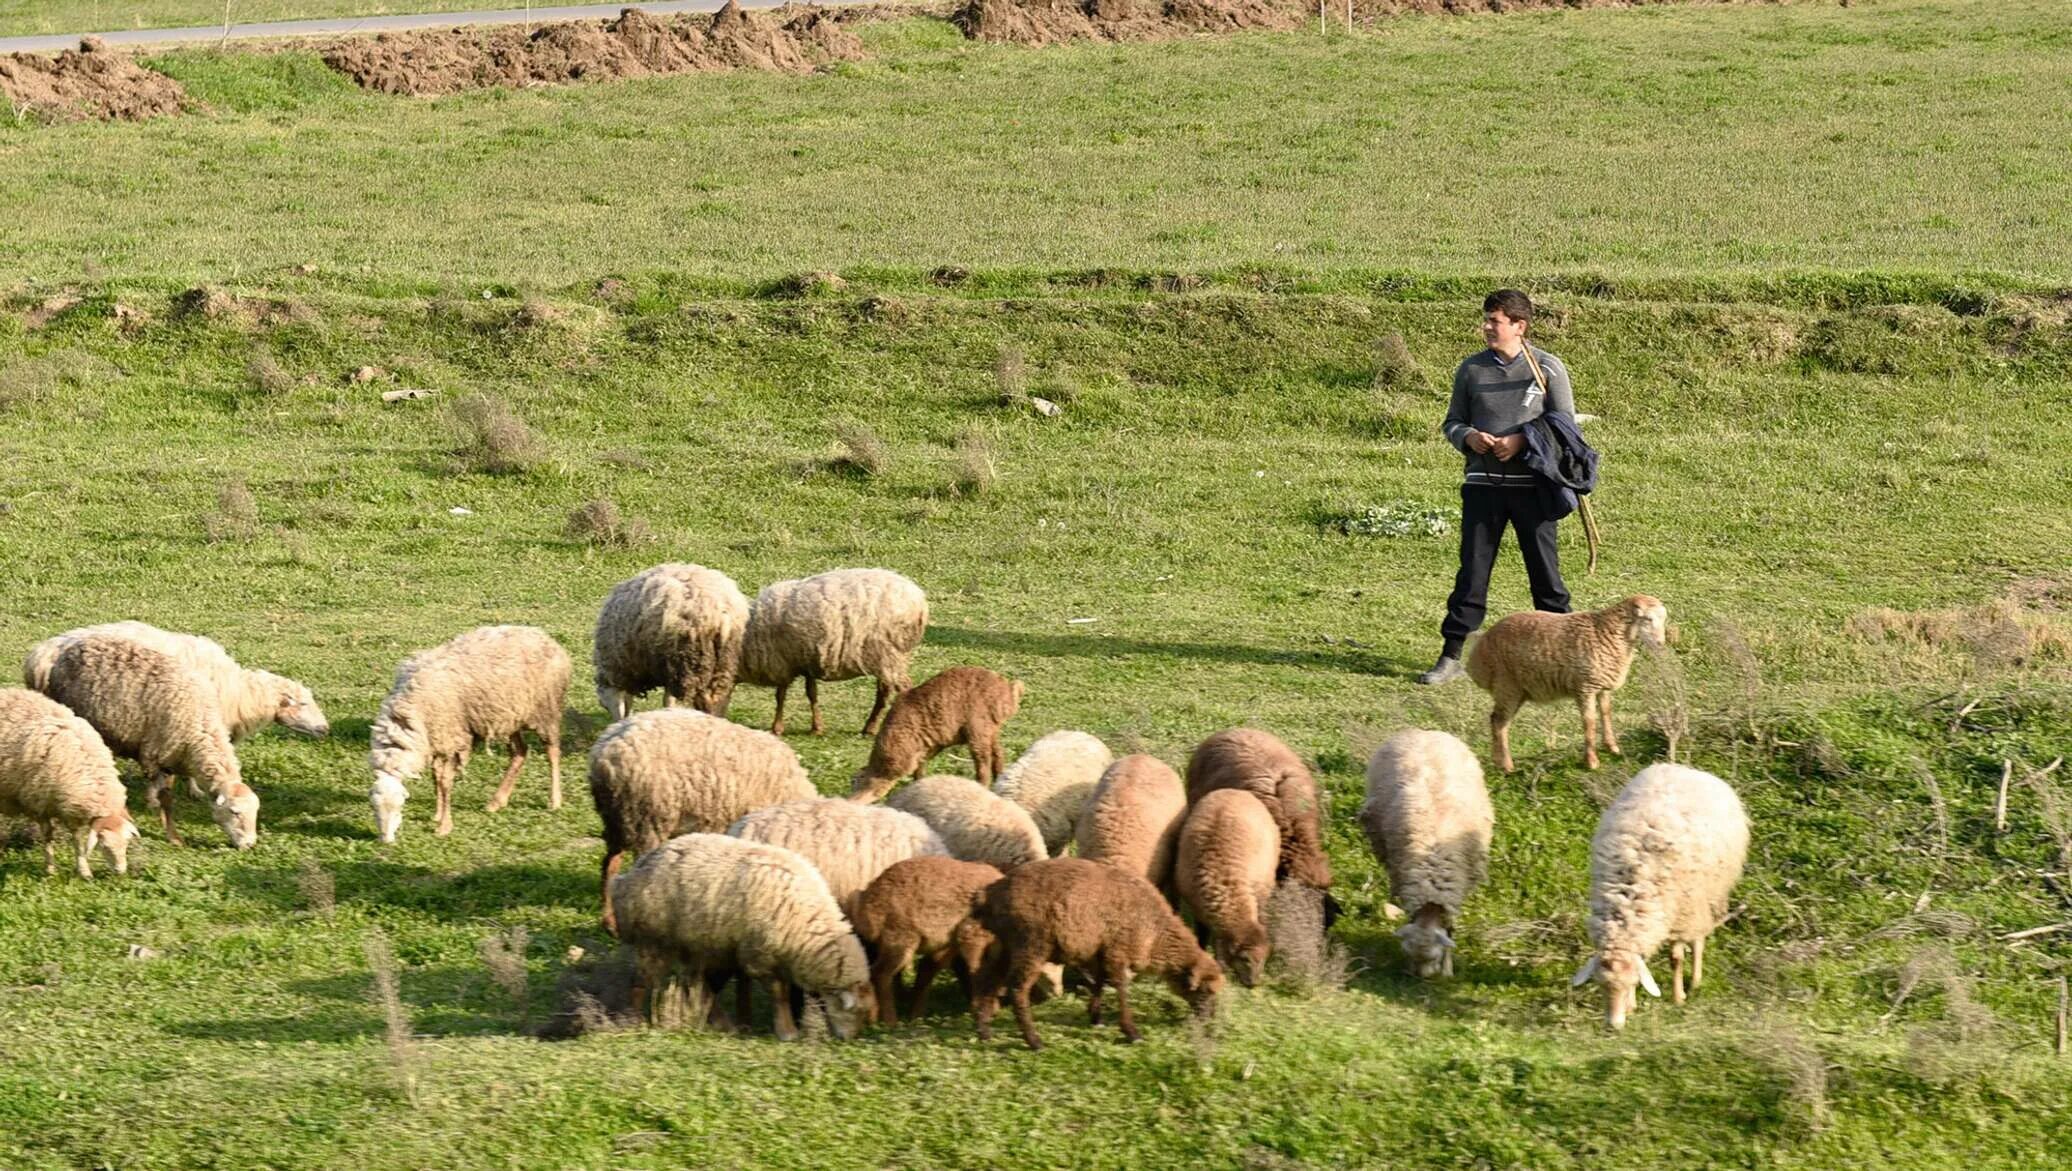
637, 44
87, 82
1043, 22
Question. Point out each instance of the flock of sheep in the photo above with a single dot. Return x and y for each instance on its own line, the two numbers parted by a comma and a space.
745, 873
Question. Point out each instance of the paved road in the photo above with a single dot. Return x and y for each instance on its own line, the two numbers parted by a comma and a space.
134, 38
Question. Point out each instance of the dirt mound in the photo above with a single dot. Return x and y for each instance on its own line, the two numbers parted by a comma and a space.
89, 82
1042, 22
635, 45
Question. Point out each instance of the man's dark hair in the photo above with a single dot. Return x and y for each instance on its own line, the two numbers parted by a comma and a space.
1510, 302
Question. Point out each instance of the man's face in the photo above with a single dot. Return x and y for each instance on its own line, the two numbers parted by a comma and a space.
1501, 333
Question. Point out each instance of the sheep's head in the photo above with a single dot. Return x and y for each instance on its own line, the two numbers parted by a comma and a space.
387, 797
1429, 945
1198, 984
616, 704
236, 809
848, 1009
1014, 699
1621, 973
1647, 621
295, 708
1246, 954
113, 835
396, 746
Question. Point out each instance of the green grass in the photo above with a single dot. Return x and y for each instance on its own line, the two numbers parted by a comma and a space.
1772, 470
41, 17
1917, 134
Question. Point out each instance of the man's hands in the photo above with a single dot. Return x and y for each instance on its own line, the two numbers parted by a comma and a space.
1504, 448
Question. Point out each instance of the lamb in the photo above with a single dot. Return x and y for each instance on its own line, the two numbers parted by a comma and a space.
1229, 850
1110, 924
1663, 865
1428, 821
246, 699
1133, 819
1053, 779
720, 906
851, 844
677, 627
149, 708
55, 771
963, 705
491, 683
837, 625
913, 908
1257, 762
662, 773
1585, 657
976, 824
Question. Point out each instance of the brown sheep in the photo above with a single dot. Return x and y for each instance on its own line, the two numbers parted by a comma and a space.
1111, 925
1133, 819
963, 705
913, 908
1541, 657
1229, 849
1257, 762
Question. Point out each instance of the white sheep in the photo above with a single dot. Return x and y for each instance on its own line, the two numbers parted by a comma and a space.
1663, 865
976, 824
56, 772
1228, 854
675, 626
719, 906
147, 707
1133, 819
1428, 821
658, 774
247, 699
837, 625
1584, 657
492, 683
850, 843
1053, 780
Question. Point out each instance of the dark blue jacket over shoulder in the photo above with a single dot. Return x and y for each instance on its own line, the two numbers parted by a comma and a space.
1566, 466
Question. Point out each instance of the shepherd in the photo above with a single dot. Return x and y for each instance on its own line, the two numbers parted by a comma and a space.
1513, 416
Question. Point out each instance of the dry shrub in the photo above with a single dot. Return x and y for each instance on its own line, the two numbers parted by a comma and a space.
1309, 960
1941, 808
1960, 1045
975, 470
28, 381
1785, 1049
593, 996
2013, 631
1394, 367
859, 451
493, 439
597, 522
1063, 386
236, 515
1952, 924
1669, 706
267, 375
318, 889
625, 457
396, 1020
535, 313
1011, 376
2054, 811
504, 955
1745, 672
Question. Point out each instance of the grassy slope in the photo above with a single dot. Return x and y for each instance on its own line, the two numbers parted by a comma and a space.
1913, 134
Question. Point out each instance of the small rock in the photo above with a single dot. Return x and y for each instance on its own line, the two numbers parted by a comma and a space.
138, 951
1078, 621
457, 510
366, 374
305, 269
1391, 911
1045, 407
574, 953
92, 45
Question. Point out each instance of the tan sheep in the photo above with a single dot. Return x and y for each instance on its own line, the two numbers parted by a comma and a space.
675, 626
842, 624
963, 705
976, 824
1544, 657
1052, 779
246, 699
492, 683
1133, 820
56, 772
147, 707
851, 844
913, 909
1257, 762
1229, 851
1428, 821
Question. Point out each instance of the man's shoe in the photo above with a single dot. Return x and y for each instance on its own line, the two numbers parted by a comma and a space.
1446, 670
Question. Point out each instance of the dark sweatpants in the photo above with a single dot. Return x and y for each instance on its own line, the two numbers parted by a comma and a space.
1484, 511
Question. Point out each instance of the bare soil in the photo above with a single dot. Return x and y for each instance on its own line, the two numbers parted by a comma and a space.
87, 82
1042, 22
637, 44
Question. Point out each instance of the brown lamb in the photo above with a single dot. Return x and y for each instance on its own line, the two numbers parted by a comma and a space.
914, 909
1111, 925
1257, 762
1540, 657
963, 705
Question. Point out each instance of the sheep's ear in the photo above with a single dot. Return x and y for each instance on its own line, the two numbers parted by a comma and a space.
1647, 981
1583, 973
130, 832
846, 999
221, 800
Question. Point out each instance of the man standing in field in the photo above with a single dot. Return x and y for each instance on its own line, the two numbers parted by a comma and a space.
1495, 394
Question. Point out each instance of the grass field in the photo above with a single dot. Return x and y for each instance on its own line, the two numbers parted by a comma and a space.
39, 17
1788, 449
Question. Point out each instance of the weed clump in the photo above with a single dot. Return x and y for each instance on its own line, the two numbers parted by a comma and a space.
593, 996
1395, 518
267, 375
504, 955
318, 889
236, 515
395, 1018
858, 452
1011, 376
493, 439
598, 522
1309, 960
975, 469
1394, 367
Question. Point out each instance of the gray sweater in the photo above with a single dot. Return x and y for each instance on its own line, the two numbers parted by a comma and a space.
1499, 397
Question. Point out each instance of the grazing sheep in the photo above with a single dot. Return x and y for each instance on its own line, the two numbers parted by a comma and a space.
154, 711
677, 627
659, 774
851, 844
841, 624
976, 824
491, 683
1257, 762
1111, 925
963, 705
912, 909
1133, 819
720, 906
246, 699
1053, 780
1541, 657
1428, 821
55, 771
1663, 865
1229, 850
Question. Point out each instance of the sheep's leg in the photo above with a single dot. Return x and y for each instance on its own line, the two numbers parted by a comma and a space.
878, 705
554, 770
1676, 972
1500, 731
612, 861
985, 754
651, 970
510, 781
442, 782
744, 1003
50, 847
82, 845
1611, 738
1023, 1016
780, 999
924, 978
1093, 999
777, 721
1588, 703
885, 981
1697, 963
813, 701
1122, 1005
